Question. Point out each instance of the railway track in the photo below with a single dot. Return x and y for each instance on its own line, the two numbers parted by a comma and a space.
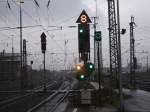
54, 100
21, 94
27, 99
6, 96
142, 81
50, 103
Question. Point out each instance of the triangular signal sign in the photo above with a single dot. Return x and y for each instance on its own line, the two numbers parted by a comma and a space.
83, 18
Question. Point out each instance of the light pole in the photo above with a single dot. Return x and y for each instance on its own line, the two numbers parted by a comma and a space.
31, 78
147, 65
12, 55
12, 40
20, 2
95, 30
119, 59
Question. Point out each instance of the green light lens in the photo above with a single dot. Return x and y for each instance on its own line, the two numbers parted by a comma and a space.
91, 66
81, 30
82, 76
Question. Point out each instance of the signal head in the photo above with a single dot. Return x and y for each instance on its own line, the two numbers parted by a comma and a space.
81, 76
78, 67
90, 67
81, 30
97, 35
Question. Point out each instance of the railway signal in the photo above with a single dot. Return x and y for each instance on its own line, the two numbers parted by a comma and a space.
78, 67
90, 67
84, 36
43, 42
81, 29
83, 72
81, 76
98, 36
80, 72
43, 48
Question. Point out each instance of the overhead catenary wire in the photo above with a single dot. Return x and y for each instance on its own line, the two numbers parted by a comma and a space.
8, 5
31, 17
37, 4
13, 28
15, 16
38, 9
47, 31
48, 3
142, 35
49, 13
25, 12
5, 21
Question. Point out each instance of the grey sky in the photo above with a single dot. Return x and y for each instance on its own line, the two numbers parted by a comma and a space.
64, 13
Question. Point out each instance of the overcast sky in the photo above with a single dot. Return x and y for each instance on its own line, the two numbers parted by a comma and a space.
65, 13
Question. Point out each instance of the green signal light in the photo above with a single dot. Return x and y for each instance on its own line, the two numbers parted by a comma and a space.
82, 76
81, 30
91, 66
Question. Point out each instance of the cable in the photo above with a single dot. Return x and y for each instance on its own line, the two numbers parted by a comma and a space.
11, 28
48, 32
6, 22
25, 12
126, 51
12, 13
68, 19
36, 3
142, 36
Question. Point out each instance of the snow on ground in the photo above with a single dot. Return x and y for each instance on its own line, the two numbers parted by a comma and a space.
96, 85
62, 107
139, 101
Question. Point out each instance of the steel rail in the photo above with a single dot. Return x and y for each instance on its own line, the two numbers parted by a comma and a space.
59, 102
18, 97
36, 107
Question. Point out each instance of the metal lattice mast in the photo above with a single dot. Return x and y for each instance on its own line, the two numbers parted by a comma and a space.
113, 39
132, 53
115, 47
